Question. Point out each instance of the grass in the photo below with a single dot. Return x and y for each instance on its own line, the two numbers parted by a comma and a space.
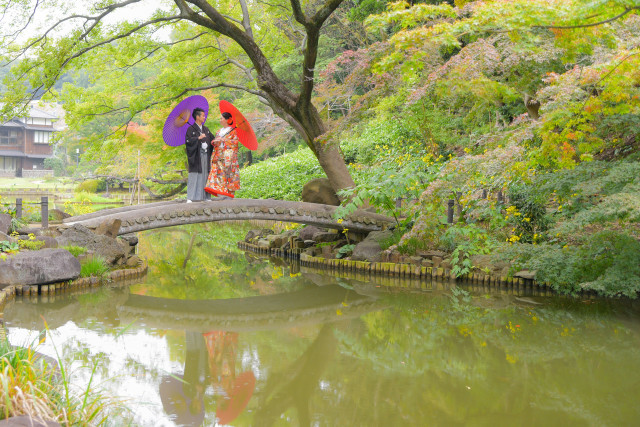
35, 386
75, 250
94, 266
84, 197
48, 183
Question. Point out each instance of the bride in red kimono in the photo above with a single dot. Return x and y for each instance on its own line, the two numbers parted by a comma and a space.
224, 178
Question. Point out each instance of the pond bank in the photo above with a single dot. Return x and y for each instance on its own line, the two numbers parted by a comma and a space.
408, 275
10, 292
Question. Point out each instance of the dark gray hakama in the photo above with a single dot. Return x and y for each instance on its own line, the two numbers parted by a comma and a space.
197, 180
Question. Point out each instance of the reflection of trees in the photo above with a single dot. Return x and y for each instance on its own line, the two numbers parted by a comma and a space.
445, 361
295, 385
203, 262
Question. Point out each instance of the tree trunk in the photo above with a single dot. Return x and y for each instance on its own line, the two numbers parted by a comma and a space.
309, 124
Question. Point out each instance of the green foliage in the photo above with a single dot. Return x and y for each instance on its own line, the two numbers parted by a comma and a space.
606, 263
31, 244
75, 250
345, 251
281, 177
93, 266
382, 186
6, 246
528, 214
91, 186
90, 198
465, 241
57, 164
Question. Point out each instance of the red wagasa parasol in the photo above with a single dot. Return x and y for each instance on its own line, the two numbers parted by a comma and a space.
229, 410
245, 133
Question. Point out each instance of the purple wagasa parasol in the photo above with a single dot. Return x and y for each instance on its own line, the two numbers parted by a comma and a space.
176, 125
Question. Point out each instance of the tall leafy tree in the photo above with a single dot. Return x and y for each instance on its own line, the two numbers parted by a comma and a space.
208, 37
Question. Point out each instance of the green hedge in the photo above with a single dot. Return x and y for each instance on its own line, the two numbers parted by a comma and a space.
280, 177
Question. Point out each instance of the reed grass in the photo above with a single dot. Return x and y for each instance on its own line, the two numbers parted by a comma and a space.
34, 386
93, 266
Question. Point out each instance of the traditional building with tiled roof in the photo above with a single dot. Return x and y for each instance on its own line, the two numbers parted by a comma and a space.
25, 143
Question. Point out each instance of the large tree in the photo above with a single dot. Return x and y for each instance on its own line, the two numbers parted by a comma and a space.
228, 29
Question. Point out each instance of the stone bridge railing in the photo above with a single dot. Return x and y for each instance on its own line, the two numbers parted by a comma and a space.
168, 214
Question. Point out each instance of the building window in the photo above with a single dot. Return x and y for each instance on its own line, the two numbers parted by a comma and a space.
8, 163
8, 137
41, 137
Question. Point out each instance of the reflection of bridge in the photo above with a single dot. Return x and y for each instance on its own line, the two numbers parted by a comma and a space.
312, 305
167, 214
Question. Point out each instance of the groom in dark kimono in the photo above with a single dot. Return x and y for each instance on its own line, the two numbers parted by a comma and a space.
199, 149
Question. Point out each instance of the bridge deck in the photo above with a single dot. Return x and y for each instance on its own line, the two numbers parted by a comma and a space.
168, 214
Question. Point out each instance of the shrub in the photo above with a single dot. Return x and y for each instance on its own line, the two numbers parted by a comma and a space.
281, 177
606, 262
56, 164
91, 186
31, 245
94, 266
75, 250
527, 213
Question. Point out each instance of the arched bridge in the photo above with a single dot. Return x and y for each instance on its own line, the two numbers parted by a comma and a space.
168, 214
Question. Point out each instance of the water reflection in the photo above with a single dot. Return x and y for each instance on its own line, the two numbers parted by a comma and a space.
235, 340
210, 361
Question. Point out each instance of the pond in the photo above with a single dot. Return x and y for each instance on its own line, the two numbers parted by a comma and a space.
213, 335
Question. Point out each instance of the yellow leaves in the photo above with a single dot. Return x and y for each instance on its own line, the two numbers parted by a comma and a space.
464, 331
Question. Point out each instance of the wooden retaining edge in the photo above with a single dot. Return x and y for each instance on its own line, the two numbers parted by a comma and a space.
477, 281
10, 292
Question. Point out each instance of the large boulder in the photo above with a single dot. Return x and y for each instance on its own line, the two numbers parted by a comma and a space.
109, 227
6, 238
319, 190
38, 267
101, 245
326, 237
254, 235
308, 232
5, 223
370, 249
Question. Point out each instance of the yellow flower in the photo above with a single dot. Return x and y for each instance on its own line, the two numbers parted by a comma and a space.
340, 221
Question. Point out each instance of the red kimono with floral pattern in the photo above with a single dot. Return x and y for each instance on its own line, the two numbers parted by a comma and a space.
224, 178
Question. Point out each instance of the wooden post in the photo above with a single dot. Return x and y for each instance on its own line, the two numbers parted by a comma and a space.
19, 208
484, 194
44, 211
450, 204
138, 176
500, 198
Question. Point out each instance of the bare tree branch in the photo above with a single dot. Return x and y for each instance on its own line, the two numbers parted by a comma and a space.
246, 21
18, 32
